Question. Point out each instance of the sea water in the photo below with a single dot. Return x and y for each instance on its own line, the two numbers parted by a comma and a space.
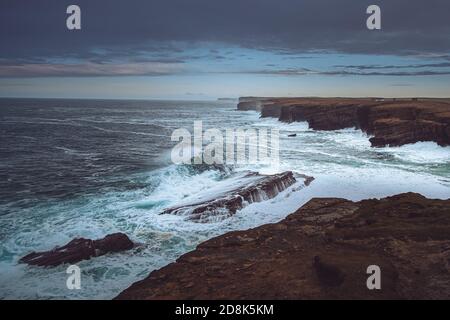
88, 168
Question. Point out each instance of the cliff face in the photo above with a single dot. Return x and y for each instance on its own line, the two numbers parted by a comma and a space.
252, 103
404, 123
322, 251
394, 122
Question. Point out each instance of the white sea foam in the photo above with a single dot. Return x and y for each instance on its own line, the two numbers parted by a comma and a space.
421, 152
291, 127
342, 162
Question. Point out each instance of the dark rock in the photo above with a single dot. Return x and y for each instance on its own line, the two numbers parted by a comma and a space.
407, 236
292, 135
78, 250
252, 188
328, 274
115, 242
391, 122
270, 110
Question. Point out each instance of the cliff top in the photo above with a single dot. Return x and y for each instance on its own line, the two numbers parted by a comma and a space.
322, 251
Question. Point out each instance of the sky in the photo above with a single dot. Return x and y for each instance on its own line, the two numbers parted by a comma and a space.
209, 49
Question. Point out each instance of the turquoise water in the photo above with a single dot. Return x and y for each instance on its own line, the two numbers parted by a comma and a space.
89, 168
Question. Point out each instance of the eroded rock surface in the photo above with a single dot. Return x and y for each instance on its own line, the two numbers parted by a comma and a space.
249, 189
393, 122
322, 251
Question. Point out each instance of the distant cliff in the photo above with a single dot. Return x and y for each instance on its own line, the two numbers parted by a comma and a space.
393, 122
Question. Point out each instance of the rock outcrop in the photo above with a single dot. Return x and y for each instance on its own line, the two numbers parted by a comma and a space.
79, 249
252, 103
322, 251
251, 188
392, 122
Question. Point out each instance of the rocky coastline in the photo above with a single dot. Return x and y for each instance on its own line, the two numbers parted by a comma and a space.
389, 122
321, 251
325, 249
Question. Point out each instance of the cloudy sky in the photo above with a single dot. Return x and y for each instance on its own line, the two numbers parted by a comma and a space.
205, 49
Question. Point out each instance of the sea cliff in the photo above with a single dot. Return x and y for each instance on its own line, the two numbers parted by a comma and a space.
389, 122
325, 249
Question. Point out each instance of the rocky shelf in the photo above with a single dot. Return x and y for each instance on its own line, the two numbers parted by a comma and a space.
322, 251
390, 122
225, 202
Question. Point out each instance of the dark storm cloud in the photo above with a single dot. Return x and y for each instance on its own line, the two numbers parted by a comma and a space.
30, 29
89, 69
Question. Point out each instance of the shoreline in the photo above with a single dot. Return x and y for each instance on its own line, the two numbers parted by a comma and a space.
348, 145
322, 250
390, 122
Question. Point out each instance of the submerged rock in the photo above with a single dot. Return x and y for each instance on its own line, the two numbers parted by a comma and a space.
407, 236
246, 190
79, 249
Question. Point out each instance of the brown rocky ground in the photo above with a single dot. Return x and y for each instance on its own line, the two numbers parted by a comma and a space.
393, 122
321, 251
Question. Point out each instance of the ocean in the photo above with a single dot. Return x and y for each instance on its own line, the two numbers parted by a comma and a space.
88, 168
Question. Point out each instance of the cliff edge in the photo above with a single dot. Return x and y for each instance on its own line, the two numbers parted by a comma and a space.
390, 122
322, 251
